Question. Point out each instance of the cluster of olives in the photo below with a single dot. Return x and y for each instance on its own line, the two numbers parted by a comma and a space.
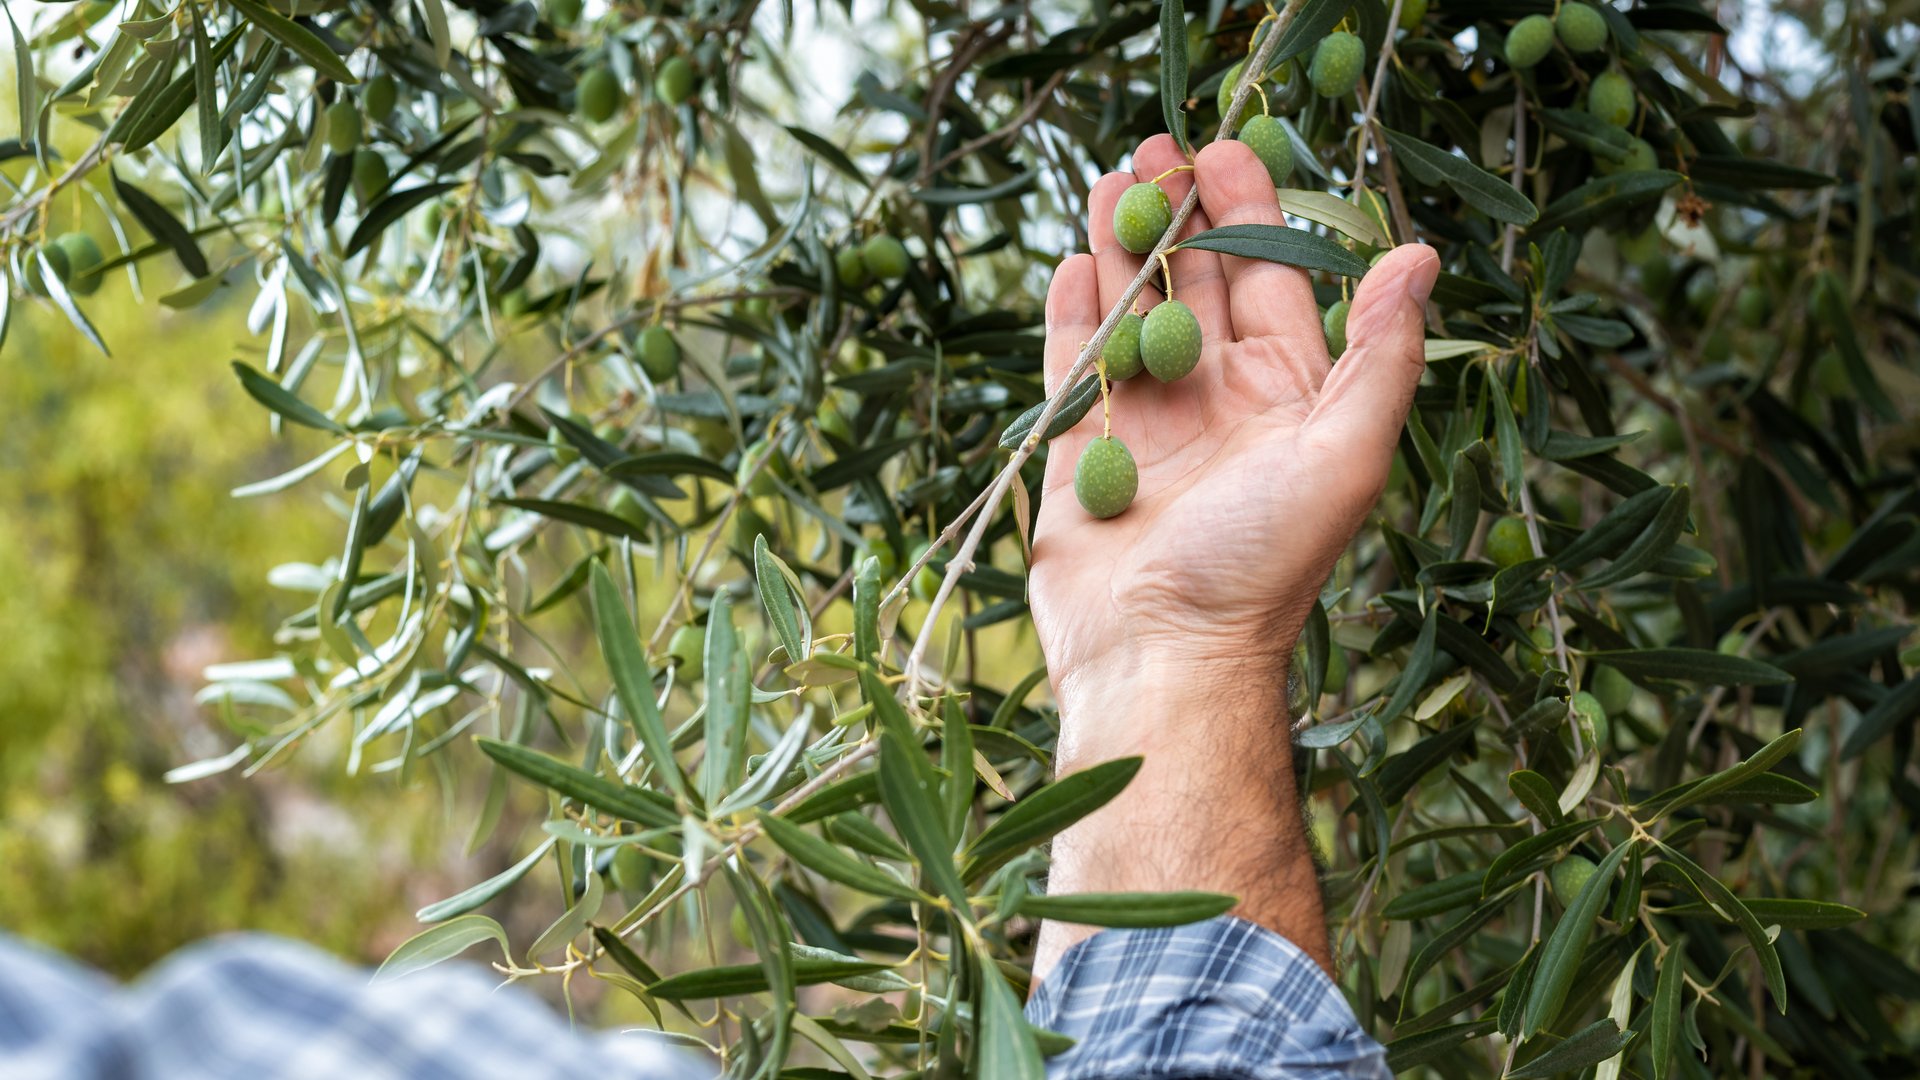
71, 255
1578, 26
882, 258
598, 95
345, 128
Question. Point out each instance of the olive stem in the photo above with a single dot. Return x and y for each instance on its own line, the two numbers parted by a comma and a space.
1170, 172
1265, 110
1166, 271
1106, 401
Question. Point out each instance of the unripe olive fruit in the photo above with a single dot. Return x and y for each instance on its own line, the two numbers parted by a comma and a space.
1141, 217
1336, 64
1169, 340
832, 421
1508, 543
563, 12
36, 279
687, 650
1228, 84
515, 303
1374, 205
1580, 28
598, 95
878, 549
1611, 99
1336, 671
369, 174
1530, 40
926, 581
343, 127
885, 257
1752, 306
1106, 479
673, 83
850, 267
1612, 690
564, 452
1120, 357
1640, 158
626, 506
1412, 13
659, 353
1569, 876
1587, 708
1268, 140
1334, 322
82, 254
1536, 650
379, 97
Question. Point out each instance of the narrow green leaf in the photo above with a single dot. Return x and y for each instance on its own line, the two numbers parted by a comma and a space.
1886, 715
1595, 199
1173, 70
443, 942
867, 590
282, 401
1007, 1050
632, 679
1482, 190
63, 299
1784, 912
1413, 678
298, 38
1722, 897
777, 597
391, 208
164, 227
1666, 1008
623, 801
1435, 897
1760, 761
1080, 401
1046, 812
1280, 244
462, 902
1537, 794
731, 980
1334, 212
833, 863
1127, 909
586, 517
1691, 665
1515, 861
1560, 957
728, 702
1594, 1043
914, 806
1653, 542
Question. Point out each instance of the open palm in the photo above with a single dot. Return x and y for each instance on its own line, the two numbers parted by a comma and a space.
1255, 470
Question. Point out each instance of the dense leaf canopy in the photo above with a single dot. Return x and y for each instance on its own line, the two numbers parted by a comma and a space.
659, 358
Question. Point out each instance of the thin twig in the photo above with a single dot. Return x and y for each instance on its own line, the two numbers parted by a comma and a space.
1519, 164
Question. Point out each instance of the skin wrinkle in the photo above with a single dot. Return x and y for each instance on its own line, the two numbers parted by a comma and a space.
1168, 630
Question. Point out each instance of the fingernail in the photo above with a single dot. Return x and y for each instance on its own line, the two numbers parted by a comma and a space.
1421, 278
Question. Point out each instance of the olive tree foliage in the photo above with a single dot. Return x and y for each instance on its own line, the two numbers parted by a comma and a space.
685, 423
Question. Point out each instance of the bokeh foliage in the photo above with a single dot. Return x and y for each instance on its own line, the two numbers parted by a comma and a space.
579, 306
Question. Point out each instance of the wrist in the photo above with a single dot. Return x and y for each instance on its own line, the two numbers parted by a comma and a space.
1169, 704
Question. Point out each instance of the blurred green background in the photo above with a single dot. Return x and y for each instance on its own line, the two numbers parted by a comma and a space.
125, 569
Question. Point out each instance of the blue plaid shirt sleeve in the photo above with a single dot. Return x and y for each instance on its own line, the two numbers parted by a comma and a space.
254, 1006
1223, 999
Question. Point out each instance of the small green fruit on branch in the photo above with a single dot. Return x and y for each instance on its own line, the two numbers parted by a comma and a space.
1106, 478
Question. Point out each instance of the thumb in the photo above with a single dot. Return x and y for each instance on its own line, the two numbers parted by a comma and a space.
1364, 402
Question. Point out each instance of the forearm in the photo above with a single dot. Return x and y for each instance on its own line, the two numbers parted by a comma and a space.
1214, 806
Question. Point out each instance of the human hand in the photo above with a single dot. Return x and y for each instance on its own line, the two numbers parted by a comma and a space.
1168, 628
1255, 470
